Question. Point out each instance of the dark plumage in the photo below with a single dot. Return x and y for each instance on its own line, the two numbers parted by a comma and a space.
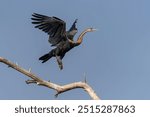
58, 36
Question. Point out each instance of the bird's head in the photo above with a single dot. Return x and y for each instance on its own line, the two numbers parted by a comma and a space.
90, 29
80, 38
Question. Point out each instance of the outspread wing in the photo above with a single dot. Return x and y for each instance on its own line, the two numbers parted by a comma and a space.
72, 31
53, 26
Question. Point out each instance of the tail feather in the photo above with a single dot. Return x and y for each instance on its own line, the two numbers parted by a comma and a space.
45, 57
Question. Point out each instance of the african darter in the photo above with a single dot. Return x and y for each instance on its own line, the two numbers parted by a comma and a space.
58, 36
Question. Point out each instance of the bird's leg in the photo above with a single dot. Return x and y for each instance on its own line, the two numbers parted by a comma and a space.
59, 61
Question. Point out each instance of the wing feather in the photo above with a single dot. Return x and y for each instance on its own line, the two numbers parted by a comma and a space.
53, 26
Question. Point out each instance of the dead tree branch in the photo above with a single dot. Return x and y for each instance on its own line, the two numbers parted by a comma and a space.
58, 88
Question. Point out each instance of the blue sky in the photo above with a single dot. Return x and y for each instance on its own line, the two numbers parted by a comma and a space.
115, 59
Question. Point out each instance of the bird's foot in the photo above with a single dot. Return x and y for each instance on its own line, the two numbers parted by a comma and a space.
59, 61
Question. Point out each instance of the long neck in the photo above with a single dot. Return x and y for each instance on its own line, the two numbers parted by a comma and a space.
80, 38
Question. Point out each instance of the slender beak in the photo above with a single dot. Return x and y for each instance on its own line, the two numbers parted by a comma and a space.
94, 29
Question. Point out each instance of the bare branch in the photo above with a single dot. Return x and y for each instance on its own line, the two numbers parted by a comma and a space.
60, 89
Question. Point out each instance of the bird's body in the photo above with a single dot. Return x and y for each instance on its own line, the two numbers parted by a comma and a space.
58, 36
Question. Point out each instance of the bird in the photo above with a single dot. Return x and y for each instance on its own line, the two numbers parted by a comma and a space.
61, 39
